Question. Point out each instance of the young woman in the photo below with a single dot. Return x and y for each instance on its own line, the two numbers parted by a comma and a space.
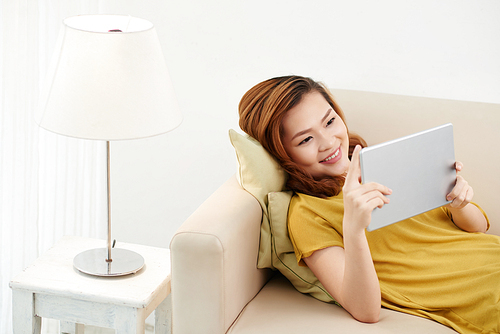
436, 265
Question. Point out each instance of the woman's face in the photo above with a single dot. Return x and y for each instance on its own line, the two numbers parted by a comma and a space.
316, 138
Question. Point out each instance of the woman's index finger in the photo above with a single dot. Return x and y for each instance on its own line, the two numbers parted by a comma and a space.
354, 170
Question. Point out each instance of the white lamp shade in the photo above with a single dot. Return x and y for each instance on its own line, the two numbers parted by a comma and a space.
108, 85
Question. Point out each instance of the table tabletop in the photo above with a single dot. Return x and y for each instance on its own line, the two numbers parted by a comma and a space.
53, 273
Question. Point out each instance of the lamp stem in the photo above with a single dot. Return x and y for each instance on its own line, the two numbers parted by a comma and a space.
125, 261
109, 199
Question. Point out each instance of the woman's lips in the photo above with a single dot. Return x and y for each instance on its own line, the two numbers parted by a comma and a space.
333, 158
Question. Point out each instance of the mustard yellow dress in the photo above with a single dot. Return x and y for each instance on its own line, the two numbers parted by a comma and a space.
426, 265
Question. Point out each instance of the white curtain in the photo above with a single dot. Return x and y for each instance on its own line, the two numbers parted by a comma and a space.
50, 185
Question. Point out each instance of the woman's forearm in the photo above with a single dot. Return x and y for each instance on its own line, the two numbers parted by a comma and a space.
361, 288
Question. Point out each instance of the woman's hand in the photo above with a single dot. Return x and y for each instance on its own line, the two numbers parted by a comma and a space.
361, 199
462, 192
466, 216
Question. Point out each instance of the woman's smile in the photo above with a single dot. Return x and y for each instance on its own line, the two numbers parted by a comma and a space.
334, 157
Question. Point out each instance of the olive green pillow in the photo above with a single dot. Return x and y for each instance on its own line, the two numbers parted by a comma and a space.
261, 175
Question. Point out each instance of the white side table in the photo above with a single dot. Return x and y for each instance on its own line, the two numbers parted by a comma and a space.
52, 288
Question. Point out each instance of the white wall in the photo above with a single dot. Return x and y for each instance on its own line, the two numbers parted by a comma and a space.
216, 50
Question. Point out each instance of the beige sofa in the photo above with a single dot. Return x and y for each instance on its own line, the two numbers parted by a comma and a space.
216, 286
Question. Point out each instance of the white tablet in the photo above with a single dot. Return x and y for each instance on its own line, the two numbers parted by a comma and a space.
419, 168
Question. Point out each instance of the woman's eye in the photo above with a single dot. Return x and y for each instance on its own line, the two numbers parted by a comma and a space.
305, 140
330, 121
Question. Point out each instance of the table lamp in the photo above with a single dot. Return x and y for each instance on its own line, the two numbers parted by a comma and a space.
108, 81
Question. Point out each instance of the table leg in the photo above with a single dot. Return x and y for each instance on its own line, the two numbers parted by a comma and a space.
129, 320
23, 311
71, 328
163, 316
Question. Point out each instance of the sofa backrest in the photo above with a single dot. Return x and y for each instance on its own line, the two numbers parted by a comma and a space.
380, 117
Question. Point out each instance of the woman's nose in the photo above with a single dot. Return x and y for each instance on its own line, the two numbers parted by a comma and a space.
327, 142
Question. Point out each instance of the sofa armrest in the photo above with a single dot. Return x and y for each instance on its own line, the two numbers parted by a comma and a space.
214, 262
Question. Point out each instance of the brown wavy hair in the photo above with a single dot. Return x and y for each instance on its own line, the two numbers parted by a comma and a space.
262, 110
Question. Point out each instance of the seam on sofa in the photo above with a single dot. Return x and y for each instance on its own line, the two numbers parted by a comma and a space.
230, 328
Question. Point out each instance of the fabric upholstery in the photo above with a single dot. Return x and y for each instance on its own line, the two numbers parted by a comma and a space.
278, 308
214, 256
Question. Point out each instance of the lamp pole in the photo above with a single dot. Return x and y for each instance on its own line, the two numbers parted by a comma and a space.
108, 160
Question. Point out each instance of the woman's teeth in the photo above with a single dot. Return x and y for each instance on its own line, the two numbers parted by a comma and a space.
332, 156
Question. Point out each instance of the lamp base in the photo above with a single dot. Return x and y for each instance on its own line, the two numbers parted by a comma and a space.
93, 262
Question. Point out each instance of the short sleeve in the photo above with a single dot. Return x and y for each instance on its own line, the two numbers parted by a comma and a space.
314, 224
480, 209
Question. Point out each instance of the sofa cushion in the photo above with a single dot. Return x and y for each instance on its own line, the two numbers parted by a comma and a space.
278, 308
261, 176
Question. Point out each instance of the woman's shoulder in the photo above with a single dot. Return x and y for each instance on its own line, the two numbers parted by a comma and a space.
304, 206
301, 200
